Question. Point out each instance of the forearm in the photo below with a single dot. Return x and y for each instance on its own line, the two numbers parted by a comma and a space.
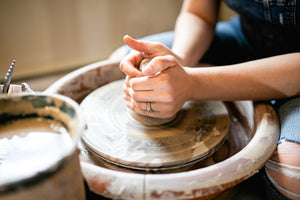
192, 38
194, 30
270, 78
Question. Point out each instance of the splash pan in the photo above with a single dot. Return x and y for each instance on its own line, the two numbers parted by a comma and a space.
248, 144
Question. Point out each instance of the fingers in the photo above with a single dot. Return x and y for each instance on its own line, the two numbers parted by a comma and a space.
159, 64
156, 65
149, 49
137, 101
144, 49
141, 83
141, 108
138, 84
139, 95
134, 86
153, 83
129, 63
133, 44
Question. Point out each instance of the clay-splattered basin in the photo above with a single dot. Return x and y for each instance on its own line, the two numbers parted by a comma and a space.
254, 131
36, 162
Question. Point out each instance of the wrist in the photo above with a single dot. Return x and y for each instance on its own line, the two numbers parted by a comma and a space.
192, 83
202, 83
187, 59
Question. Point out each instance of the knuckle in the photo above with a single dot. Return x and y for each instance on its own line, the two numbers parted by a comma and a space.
161, 46
132, 84
157, 61
157, 44
170, 98
122, 65
134, 95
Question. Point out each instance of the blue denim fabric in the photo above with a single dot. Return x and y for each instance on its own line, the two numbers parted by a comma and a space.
270, 26
271, 11
229, 45
289, 115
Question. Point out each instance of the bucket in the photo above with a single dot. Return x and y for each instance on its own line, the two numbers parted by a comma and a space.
38, 147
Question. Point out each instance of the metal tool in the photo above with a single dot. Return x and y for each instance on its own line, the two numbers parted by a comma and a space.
7, 78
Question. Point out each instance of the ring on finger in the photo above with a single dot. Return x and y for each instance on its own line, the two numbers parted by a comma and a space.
148, 106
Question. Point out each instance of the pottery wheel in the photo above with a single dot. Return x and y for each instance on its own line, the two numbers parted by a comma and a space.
112, 134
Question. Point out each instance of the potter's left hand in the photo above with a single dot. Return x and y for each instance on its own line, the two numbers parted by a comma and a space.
167, 90
141, 50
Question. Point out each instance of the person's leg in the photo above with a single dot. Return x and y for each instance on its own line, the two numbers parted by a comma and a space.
283, 169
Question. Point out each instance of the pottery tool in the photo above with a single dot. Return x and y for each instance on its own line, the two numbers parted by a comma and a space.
113, 135
7, 78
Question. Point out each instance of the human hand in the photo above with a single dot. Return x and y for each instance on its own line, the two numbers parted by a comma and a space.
166, 85
141, 50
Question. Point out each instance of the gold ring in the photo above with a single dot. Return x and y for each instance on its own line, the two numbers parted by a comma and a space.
149, 109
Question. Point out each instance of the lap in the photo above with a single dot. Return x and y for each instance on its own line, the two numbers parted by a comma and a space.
288, 111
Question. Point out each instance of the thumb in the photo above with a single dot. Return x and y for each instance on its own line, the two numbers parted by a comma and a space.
141, 46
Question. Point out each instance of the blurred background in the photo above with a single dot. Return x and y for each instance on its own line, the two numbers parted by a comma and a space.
49, 38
